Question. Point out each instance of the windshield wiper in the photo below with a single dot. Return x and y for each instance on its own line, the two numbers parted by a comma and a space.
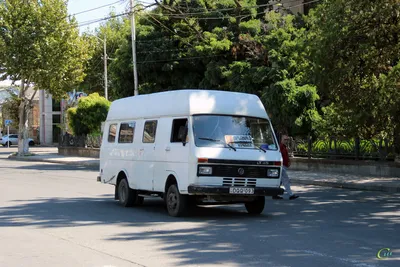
259, 147
216, 140
209, 139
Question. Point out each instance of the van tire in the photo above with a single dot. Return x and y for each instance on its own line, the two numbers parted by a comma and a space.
176, 202
126, 196
256, 206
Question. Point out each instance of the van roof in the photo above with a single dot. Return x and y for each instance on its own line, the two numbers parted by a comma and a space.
185, 103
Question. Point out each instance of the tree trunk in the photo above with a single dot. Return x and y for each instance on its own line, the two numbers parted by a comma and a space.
23, 144
357, 147
396, 143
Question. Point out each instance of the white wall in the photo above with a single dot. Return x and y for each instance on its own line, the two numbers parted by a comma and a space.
46, 118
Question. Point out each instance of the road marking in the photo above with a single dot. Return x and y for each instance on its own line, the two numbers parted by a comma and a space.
344, 260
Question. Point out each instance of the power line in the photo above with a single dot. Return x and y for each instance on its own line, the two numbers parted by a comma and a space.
163, 25
179, 59
96, 8
225, 9
203, 18
161, 51
85, 23
165, 39
180, 15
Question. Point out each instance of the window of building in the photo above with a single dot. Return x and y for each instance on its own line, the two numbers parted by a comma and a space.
56, 118
126, 132
149, 133
56, 105
178, 125
112, 132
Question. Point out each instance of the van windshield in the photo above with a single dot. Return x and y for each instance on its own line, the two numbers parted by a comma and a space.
235, 132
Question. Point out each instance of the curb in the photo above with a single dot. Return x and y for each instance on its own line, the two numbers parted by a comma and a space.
354, 186
76, 163
365, 187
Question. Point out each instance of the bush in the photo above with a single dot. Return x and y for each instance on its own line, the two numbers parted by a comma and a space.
87, 117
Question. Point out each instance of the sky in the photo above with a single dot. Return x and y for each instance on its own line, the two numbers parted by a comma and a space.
77, 6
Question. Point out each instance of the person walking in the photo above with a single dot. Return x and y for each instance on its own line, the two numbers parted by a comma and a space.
286, 164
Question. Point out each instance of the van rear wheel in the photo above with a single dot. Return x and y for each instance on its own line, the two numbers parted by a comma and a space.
256, 206
176, 202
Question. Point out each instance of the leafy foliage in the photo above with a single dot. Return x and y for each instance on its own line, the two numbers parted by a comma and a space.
354, 47
10, 107
334, 71
87, 117
40, 45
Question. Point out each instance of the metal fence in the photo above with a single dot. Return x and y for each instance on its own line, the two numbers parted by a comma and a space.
329, 147
343, 148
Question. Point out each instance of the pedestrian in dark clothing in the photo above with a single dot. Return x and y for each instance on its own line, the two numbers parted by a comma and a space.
286, 164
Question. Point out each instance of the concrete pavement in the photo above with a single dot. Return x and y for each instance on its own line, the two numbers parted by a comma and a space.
347, 181
58, 215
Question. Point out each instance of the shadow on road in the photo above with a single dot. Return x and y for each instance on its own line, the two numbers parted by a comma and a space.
29, 165
217, 235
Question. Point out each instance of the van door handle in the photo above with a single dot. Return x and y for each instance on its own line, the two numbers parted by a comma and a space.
167, 148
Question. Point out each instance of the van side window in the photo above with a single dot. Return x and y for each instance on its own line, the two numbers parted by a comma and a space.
149, 132
112, 132
126, 132
178, 128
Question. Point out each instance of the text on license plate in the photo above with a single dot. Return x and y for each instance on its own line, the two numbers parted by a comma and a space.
241, 190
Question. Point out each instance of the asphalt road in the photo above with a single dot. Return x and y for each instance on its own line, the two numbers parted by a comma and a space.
58, 215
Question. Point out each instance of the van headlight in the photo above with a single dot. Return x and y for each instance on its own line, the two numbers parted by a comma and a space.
203, 170
273, 173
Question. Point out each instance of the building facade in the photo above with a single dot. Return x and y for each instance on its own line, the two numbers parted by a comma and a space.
53, 121
33, 118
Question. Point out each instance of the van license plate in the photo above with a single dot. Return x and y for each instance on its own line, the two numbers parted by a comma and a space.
241, 190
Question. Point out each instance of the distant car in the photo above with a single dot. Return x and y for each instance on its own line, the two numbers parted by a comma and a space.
13, 140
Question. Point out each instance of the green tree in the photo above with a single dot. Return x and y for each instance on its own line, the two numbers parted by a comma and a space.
39, 45
113, 32
10, 107
354, 49
87, 117
289, 96
225, 45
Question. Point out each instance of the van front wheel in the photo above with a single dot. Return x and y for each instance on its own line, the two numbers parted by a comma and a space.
126, 196
176, 203
256, 206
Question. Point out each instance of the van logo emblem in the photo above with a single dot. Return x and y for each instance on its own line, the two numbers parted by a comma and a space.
241, 171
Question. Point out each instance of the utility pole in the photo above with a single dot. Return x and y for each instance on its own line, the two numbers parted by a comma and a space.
105, 58
133, 30
105, 68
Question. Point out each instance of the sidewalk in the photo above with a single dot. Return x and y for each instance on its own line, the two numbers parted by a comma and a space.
348, 181
55, 158
384, 184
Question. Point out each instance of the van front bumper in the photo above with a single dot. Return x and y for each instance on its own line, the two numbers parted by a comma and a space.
224, 190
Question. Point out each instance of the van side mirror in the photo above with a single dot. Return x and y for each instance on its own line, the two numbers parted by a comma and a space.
183, 131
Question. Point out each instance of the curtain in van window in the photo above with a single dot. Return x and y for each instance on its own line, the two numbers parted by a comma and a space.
126, 132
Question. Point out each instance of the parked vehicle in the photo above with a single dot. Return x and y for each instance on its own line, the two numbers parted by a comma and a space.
191, 147
12, 139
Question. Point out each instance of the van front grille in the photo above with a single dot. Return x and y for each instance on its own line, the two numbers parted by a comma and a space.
239, 182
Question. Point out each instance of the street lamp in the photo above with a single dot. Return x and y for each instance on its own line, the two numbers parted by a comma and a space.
105, 65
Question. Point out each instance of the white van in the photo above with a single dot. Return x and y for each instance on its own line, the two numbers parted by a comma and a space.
191, 147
